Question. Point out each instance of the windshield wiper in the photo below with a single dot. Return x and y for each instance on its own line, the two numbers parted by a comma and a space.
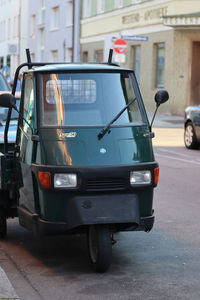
107, 127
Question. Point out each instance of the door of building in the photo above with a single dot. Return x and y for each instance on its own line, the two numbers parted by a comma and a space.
195, 75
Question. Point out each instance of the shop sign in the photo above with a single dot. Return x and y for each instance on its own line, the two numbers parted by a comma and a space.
145, 16
120, 46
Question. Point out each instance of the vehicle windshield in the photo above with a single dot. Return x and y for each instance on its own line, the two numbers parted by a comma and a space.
88, 99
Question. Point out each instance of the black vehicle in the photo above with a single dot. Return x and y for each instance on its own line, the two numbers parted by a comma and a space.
192, 127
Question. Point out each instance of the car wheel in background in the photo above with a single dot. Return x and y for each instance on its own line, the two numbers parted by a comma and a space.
190, 137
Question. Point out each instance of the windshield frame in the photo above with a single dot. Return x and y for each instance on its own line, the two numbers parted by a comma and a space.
133, 80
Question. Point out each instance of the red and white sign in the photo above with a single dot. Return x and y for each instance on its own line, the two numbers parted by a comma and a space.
120, 46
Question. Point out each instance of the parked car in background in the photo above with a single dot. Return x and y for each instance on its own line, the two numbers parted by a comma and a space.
192, 127
5, 87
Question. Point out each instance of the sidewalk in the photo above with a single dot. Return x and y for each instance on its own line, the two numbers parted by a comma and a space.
7, 291
166, 120
168, 129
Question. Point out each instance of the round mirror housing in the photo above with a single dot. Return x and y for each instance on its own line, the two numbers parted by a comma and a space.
7, 100
161, 97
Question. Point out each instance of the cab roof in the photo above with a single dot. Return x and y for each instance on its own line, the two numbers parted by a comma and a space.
82, 67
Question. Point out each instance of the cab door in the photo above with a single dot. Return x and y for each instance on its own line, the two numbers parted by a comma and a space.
25, 143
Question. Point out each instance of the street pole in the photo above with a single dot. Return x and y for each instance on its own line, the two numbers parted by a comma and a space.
76, 31
19, 33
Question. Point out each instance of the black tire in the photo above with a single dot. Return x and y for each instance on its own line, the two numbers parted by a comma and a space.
99, 247
3, 223
190, 137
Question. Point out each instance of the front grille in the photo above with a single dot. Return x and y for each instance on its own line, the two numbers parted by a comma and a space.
106, 184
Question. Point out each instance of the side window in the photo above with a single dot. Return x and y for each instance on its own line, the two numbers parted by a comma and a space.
133, 111
28, 110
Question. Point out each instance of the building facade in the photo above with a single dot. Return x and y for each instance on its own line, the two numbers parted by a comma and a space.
49, 28
13, 34
50, 34
163, 44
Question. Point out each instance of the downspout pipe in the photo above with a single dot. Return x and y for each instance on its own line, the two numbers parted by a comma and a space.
76, 31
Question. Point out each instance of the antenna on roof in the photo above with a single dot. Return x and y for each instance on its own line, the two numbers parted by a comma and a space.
28, 55
110, 56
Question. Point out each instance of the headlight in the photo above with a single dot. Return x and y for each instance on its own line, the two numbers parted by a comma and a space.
65, 180
140, 177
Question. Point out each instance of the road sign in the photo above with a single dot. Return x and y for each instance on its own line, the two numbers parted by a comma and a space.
120, 46
12, 49
120, 58
136, 38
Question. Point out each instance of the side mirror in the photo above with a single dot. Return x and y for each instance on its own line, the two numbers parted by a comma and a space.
161, 97
7, 100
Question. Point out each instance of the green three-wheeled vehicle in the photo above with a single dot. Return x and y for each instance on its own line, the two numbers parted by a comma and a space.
83, 160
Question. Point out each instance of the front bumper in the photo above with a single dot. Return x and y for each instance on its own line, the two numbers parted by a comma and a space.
41, 227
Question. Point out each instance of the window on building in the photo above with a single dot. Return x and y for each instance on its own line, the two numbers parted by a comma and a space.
137, 51
42, 3
54, 55
85, 56
93, 8
41, 44
41, 37
42, 12
137, 1
2, 31
9, 28
55, 18
33, 57
98, 55
109, 5
100, 6
160, 64
8, 61
33, 26
1, 62
127, 2
69, 14
68, 55
86, 8
16, 26
118, 3
41, 54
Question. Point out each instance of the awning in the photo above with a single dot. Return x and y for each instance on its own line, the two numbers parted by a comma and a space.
184, 21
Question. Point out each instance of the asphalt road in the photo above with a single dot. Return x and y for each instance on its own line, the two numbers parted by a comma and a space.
162, 264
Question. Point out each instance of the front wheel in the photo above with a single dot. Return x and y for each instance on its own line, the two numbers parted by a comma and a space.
190, 136
99, 247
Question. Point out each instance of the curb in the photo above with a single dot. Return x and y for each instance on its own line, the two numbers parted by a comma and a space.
7, 291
